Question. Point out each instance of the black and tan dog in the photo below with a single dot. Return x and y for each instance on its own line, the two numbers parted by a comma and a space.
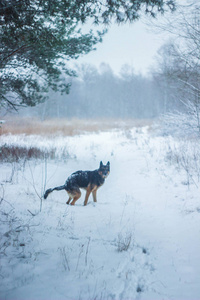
88, 180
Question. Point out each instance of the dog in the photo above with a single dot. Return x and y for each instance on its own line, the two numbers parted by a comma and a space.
88, 180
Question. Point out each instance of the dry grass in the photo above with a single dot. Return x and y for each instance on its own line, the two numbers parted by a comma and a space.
66, 127
9, 153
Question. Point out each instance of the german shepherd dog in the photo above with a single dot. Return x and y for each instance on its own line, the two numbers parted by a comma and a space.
88, 180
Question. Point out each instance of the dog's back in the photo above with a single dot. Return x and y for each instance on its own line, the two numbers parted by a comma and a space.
83, 179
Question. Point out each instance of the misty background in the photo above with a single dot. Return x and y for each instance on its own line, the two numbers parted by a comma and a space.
142, 70
100, 93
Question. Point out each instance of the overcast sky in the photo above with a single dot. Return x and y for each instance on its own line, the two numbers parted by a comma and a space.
134, 44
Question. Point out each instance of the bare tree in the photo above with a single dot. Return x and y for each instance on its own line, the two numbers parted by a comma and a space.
178, 63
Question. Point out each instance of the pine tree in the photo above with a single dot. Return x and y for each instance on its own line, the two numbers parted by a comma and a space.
39, 37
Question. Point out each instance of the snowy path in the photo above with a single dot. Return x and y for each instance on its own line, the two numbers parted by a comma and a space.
172, 236
165, 225
76, 252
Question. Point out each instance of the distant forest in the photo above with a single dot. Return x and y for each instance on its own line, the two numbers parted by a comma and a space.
99, 93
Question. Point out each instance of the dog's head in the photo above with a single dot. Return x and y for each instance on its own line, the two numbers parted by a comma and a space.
104, 170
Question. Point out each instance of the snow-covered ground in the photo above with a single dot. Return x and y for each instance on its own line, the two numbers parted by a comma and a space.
141, 240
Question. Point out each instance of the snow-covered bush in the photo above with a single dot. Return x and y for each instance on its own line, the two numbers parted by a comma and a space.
179, 124
124, 241
183, 149
182, 123
185, 155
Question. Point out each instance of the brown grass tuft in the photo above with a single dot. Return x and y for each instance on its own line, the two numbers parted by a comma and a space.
9, 153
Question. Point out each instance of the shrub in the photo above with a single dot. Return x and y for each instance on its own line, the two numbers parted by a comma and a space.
124, 242
10, 153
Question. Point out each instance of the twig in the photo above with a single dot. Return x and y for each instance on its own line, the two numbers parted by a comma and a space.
16, 51
2, 198
33, 184
86, 254
31, 213
81, 251
66, 264
45, 174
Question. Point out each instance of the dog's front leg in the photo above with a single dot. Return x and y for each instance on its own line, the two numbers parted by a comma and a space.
94, 194
88, 191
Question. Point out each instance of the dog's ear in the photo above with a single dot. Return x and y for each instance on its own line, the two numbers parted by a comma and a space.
101, 164
108, 164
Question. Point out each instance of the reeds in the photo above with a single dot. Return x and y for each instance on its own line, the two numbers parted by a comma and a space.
66, 127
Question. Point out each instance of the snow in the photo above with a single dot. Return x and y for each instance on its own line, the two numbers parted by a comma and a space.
139, 241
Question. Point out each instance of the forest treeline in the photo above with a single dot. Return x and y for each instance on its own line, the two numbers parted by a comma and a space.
100, 93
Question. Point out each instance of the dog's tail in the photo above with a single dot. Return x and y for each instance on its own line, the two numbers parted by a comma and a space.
58, 188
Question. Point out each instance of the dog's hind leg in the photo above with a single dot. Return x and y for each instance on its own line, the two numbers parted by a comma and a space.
70, 198
76, 195
68, 201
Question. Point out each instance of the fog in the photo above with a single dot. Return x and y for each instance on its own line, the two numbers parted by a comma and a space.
100, 93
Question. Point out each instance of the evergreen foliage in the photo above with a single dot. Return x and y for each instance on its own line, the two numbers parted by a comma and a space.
39, 37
